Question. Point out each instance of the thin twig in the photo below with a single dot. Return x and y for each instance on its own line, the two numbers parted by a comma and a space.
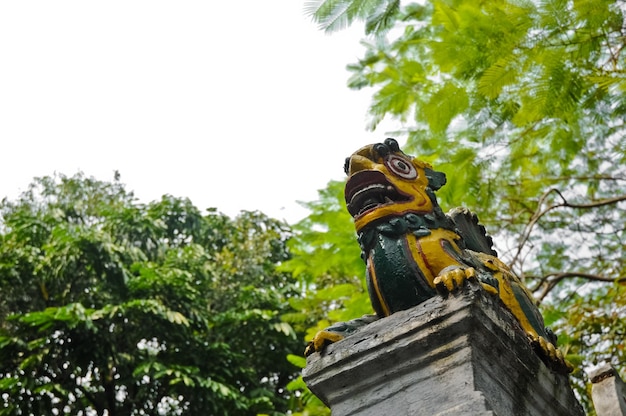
533, 220
565, 204
549, 281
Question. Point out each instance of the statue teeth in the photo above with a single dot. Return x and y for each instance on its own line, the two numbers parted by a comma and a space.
367, 189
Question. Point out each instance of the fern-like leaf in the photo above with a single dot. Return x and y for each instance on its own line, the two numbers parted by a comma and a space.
384, 19
448, 102
334, 15
496, 77
446, 16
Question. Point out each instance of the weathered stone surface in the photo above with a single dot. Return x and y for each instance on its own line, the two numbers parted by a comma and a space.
608, 392
463, 355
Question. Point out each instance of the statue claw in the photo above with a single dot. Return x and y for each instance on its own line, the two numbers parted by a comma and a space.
450, 280
320, 341
337, 332
553, 357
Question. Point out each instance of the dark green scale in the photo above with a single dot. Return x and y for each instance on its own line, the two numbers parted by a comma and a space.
393, 277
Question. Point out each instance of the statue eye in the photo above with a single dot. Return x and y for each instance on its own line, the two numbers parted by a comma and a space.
401, 167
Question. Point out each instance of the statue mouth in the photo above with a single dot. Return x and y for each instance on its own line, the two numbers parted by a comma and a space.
368, 190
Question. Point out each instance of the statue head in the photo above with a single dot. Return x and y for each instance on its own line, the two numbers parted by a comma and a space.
384, 182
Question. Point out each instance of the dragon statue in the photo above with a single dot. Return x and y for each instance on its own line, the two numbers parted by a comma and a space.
414, 251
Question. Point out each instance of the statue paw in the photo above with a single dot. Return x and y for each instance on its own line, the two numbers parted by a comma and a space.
450, 280
321, 340
551, 355
337, 332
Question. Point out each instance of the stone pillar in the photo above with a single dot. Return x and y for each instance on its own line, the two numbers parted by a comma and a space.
462, 355
608, 392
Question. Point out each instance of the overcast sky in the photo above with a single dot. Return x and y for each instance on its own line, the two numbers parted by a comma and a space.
234, 104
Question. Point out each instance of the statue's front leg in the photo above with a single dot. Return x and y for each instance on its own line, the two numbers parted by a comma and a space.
336, 332
452, 278
551, 355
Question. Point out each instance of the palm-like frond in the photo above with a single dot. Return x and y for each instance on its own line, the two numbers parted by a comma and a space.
502, 73
333, 15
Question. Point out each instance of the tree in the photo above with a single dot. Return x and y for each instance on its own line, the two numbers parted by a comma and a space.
327, 263
112, 307
521, 104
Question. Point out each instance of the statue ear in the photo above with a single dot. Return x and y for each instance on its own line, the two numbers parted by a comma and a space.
435, 179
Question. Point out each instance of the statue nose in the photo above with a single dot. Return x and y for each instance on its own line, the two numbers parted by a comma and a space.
357, 163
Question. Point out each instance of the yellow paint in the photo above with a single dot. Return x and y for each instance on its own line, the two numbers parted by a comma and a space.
321, 339
417, 252
506, 278
429, 254
454, 279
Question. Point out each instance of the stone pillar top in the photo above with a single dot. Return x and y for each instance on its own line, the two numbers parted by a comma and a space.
460, 355
608, 391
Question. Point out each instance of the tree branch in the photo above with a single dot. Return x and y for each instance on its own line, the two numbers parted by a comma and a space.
588, 178
550, 280
533, 220
565, 204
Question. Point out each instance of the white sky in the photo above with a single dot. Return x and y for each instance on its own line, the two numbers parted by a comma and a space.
234, 104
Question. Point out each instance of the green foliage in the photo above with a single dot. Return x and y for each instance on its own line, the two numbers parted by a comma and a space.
521, 104
327, 262
337, 14
309, 404
112, 306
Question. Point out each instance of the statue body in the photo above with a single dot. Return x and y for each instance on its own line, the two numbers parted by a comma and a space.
413, 251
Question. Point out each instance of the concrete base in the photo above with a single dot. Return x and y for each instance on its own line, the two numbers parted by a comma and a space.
462, 355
